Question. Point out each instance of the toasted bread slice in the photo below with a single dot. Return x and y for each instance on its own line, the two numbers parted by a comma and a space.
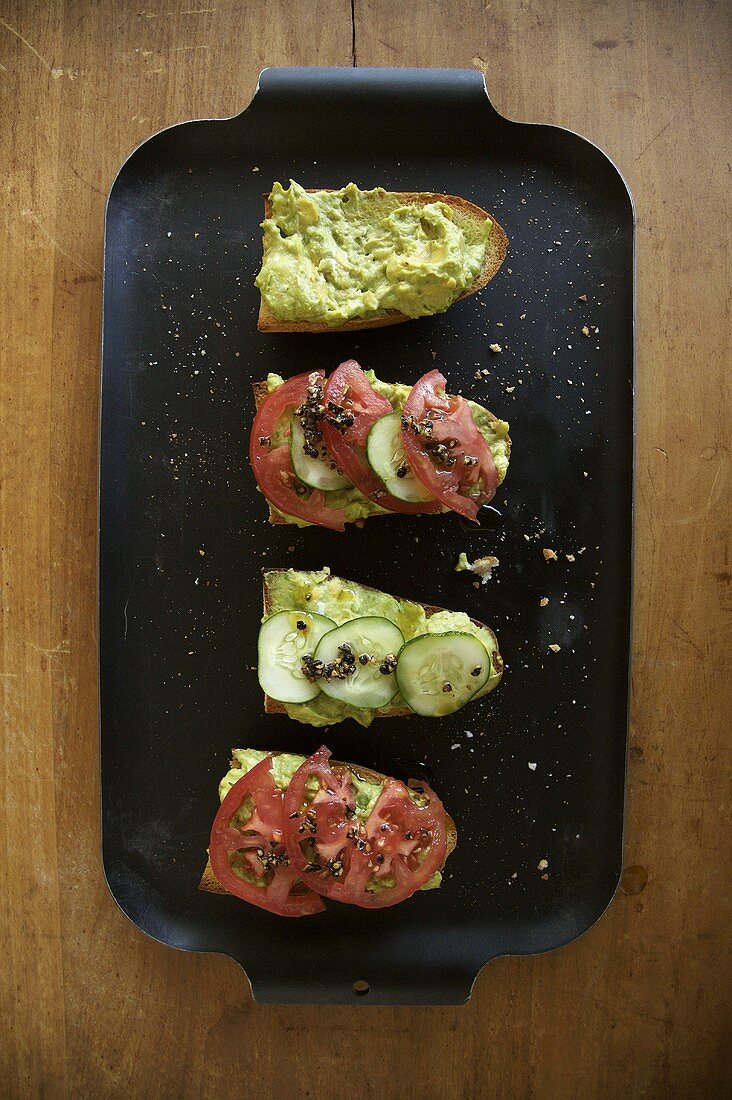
272, 706
211, 884
464, 212
260, 395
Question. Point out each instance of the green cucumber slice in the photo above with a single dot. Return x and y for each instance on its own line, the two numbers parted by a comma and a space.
318, 473
438, 673
281, 647
365, 686
386, 455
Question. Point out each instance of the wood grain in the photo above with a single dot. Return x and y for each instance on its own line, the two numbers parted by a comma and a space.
640, 1006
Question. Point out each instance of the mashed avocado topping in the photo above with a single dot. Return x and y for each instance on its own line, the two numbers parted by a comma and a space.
284, 767
341, 600
356, 506
332, 256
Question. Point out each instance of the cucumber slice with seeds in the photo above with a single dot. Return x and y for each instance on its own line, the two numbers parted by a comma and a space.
284, 639
438, 673
358, 651
386, 455
318, 473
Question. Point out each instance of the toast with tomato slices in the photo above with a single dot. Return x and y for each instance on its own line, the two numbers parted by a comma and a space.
209, 883
372, 495
273, 706
464, 212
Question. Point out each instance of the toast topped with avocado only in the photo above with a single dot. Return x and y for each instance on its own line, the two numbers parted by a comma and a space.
339, 450
350, 259
331, 649
292, 830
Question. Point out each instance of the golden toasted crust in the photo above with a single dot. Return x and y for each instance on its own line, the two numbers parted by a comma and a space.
495, 254
272, 706
260, 394
210, 884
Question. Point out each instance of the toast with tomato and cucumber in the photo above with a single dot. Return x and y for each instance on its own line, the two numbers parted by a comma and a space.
331, 649
332, 451
292, 832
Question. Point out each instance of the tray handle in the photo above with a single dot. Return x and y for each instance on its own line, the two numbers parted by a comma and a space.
388, 98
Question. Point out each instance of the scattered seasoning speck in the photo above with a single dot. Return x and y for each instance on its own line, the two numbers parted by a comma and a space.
532, 765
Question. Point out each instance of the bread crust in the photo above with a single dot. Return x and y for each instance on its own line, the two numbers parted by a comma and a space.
495, 254
211, 885
272, 706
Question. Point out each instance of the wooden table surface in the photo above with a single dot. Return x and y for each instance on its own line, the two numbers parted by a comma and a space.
639, 1007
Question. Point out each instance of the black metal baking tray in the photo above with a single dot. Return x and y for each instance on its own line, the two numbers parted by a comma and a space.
535, 772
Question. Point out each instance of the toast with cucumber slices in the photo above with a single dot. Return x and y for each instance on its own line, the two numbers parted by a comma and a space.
339, 450
331, 649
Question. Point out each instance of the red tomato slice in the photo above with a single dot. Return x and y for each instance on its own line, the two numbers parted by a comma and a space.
272, 466
349, 389
340, 856
247, 852
431, 422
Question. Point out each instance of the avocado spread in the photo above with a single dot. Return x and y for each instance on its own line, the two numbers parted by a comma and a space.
356, 506
341, 600
332, 256
284, 767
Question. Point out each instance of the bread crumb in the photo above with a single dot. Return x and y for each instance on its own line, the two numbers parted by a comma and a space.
549, 555
545, 878
481, 566
510, 389
554, 647
569, 557
543, 601
532, 765
522, 316
499, 324
585, 330
583, 297
542, 865
496, 348
202, 553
